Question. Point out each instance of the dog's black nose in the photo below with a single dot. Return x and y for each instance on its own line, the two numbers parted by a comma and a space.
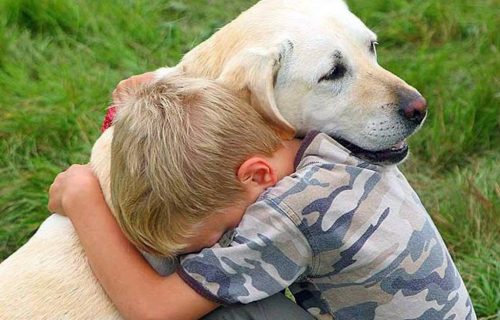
413, 108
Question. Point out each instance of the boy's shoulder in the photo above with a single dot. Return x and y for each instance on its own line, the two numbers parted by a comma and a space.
339, 202
326, 171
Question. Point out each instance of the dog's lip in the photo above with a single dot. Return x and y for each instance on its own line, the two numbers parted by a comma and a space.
395, 154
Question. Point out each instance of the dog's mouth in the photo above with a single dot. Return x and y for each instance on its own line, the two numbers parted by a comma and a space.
395, 154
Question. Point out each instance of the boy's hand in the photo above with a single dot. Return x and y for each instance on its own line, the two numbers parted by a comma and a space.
76, 187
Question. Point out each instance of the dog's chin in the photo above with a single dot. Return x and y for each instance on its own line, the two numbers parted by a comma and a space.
393, 155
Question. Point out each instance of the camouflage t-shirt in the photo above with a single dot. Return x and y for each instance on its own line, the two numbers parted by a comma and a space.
350, 238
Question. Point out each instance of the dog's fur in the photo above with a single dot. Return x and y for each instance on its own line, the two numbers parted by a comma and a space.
304, 64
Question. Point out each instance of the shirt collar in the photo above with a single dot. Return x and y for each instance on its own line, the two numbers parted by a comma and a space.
303, 146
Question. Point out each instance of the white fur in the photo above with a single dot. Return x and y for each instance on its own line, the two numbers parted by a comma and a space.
285, 43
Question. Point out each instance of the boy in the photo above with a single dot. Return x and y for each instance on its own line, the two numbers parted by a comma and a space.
183, 211
352, 238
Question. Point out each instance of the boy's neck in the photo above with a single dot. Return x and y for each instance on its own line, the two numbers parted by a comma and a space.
283, 159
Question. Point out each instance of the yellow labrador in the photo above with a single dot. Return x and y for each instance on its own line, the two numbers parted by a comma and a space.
303, 64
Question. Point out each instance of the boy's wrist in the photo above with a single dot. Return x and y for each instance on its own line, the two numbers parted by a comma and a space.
82, 199
74, 191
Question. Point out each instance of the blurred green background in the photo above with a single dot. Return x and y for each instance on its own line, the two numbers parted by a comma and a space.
60, 59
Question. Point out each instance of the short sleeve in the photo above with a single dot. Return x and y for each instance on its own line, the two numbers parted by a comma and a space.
267, 254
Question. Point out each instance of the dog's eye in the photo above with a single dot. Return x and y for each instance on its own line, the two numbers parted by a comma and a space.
338, 71
373, 47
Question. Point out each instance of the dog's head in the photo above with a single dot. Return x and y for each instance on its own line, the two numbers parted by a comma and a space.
312, 64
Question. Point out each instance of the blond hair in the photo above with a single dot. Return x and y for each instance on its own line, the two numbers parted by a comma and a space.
176, 148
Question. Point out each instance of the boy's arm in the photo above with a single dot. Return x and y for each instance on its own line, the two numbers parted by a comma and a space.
135, 288
268, 253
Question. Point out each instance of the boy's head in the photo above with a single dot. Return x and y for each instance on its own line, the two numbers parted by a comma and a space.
176, 154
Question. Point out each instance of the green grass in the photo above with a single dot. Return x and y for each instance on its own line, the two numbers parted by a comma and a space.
59, 61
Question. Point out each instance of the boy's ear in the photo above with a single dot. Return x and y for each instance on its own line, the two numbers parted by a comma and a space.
257, 172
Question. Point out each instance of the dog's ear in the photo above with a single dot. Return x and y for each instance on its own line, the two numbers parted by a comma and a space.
166, 72
128, 86
252, 74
